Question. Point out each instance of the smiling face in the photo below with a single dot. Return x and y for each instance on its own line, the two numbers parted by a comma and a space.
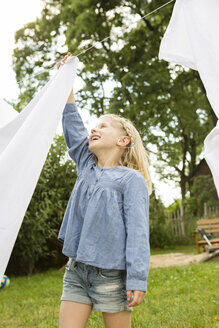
104, 136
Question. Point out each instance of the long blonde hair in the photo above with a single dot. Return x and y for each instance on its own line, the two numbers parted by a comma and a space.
135, 155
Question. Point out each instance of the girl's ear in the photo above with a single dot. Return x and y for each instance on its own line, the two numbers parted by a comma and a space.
123, 141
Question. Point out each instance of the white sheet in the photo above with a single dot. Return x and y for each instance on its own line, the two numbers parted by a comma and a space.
191, 39
24, 145
7, 113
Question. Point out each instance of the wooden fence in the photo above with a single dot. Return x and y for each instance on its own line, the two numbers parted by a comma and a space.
210, 211
177, 221
177, 218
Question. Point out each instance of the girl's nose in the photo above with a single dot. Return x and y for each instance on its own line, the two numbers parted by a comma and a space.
93, 130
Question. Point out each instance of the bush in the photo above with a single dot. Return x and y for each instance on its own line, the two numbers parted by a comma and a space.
161, 234
160, 229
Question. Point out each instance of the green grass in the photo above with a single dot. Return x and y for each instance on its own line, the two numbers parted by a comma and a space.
178, 297
187, 249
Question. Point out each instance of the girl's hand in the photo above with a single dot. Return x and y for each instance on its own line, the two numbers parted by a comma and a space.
137, 299
63, 60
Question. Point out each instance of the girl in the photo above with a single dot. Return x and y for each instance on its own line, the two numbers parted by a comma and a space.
105, 229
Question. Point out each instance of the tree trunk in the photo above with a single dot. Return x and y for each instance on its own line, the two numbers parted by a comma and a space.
183, 186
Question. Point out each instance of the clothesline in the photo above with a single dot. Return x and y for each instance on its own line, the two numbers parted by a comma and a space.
108, 37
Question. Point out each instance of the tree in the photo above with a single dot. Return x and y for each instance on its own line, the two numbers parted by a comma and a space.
203, 191
167, 104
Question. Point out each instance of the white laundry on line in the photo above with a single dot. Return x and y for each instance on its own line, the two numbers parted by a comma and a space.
191, 39
7, 113
24, 145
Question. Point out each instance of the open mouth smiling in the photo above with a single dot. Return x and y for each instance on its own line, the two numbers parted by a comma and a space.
94, 137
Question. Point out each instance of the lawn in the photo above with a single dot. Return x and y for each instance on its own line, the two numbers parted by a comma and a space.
187, 249
181, 297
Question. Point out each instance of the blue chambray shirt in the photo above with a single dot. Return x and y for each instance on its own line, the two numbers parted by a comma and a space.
106, 222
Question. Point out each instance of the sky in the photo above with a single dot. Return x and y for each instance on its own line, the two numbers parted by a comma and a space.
15, 14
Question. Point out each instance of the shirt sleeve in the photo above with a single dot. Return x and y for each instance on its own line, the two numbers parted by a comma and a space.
136, 215
76, 137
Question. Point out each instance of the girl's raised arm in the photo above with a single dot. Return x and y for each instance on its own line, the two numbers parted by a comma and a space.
75, 133
71, 98
76, 137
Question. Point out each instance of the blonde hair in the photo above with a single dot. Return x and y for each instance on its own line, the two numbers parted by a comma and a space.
135, 155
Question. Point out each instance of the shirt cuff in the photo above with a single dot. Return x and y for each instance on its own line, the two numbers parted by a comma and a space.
136, 285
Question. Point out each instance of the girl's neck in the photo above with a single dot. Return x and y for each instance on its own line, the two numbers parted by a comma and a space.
107, 159
107, 164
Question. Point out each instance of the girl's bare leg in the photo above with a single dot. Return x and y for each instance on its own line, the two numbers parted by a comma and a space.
117, 320
73, 314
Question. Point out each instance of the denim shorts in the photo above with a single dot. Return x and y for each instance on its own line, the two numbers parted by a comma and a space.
104, 289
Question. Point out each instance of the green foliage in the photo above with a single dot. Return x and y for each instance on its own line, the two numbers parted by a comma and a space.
203, 191
160, 230
161, 234
37, 246
166, 103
